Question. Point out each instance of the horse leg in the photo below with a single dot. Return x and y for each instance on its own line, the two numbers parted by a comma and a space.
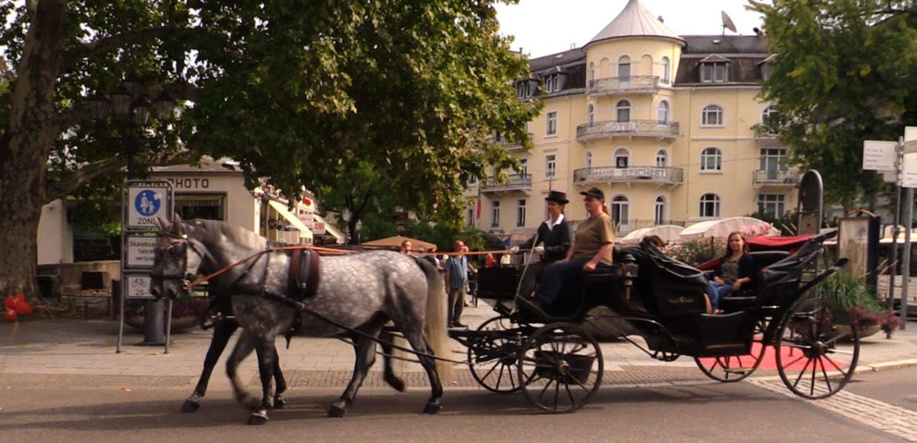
425, 354
222, 331
386, 340
244, 347
266, 361
280, 383
365, 350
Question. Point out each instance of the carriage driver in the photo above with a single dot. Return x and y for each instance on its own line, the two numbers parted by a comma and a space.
592, 248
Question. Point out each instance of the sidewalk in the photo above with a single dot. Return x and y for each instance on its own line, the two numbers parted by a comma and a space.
81, 353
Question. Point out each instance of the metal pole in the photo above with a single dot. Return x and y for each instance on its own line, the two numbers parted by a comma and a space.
906, 260
893, 268
153, 333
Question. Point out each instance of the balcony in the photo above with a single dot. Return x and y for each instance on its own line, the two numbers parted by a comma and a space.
776, 178
636, 84
637, 174
512, 147
632, 128
521, 183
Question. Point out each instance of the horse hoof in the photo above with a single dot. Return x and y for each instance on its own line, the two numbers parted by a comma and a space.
395, 383
279, 402
190, 406
432, 408
257, 419
337, 411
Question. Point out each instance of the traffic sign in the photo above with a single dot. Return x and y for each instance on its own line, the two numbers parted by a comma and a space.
146, 201
137, 287
139, 251
318, 228
879, 155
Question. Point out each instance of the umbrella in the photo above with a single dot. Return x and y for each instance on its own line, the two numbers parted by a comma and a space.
396, 241
667, 233
722, 228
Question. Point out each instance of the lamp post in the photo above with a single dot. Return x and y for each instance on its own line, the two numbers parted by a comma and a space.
128, 106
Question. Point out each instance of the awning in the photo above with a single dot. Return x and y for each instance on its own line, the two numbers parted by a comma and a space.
292, 219
722, 228
331, 229
667, 233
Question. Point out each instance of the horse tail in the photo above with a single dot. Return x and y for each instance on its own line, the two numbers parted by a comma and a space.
435, 319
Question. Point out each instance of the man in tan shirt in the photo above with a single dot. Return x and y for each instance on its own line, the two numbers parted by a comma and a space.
592, 247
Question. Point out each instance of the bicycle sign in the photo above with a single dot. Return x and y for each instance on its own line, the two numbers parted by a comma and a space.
137, 287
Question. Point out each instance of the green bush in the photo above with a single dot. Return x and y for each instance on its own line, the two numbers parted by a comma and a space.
851, 294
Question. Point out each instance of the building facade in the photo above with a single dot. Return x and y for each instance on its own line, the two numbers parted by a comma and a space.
670, 127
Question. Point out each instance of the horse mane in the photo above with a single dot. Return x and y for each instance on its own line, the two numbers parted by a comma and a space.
215, 231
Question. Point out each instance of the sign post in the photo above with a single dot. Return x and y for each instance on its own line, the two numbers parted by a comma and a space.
144, 201
898, 160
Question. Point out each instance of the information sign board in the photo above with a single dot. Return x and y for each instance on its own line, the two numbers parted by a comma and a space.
879, 155
137, 287
139, 251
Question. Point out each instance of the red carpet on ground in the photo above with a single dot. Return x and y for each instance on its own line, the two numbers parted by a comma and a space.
791, 358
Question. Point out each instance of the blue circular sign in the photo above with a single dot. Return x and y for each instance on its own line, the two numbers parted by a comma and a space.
147, 203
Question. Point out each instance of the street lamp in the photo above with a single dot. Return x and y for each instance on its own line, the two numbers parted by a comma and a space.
128, 106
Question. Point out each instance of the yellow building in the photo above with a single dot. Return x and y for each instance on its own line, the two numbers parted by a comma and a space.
670, 127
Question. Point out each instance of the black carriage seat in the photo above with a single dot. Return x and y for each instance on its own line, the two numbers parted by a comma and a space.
665, 285
778, 283
745, 298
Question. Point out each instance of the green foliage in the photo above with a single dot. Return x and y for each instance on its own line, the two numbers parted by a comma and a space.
786, 224
845, 71
851, 294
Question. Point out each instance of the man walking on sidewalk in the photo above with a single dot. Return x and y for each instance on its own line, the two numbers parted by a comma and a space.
456, 276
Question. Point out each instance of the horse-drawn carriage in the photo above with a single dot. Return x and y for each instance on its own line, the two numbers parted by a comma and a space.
558, 363
554, 360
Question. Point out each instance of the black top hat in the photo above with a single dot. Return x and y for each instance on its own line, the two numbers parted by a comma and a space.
557, 196
595, 193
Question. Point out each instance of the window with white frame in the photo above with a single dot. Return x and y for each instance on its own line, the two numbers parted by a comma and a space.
666, 66
620, 207
711, 159
520, 213
709, 205
772, 161
622, 158
662, 158
662, 112
524, 89
590, 114
714, 72
659, 211
591, 74
495, 214
622, 111
469, 217
523, 166
552, 83
774, 204
769, 119
712, 115
472, 180
551, 123
588, 159
550, 166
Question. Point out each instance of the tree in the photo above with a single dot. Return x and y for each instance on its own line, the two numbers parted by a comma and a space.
845, 71
296, 91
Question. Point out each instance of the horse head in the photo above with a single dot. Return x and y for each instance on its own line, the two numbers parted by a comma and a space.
176, 259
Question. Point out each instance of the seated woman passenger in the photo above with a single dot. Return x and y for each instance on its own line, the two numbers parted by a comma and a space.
592, 247
735, 271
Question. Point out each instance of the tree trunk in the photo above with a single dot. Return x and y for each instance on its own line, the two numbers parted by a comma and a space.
25, 147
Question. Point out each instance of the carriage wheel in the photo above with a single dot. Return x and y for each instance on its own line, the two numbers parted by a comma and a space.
493, 356
733, 368
561, 366
817, 348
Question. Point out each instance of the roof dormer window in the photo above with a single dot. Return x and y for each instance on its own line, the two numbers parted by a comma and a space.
714, 69
554, 82
526, 88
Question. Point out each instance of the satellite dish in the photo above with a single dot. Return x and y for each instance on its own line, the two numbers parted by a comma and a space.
727, 22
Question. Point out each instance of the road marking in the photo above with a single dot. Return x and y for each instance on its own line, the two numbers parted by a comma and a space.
874, 413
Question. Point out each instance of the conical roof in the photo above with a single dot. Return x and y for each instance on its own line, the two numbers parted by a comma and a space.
635, 21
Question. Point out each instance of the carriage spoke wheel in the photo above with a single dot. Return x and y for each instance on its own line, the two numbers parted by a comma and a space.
493, 356
733, 368
561, 368
817, 348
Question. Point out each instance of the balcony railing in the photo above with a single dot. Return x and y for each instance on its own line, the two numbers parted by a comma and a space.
624, 85
632, 128
512, 147
513, 182
775, 178
636, 174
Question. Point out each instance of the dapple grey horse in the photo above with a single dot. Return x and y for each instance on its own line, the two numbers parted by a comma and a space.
360, 292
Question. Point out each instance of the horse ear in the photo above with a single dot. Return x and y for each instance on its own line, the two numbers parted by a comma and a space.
176, 224
160, 223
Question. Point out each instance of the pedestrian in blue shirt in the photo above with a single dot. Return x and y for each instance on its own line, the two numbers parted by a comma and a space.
456, 277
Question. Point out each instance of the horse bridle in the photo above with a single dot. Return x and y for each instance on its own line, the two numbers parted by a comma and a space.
185, 276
